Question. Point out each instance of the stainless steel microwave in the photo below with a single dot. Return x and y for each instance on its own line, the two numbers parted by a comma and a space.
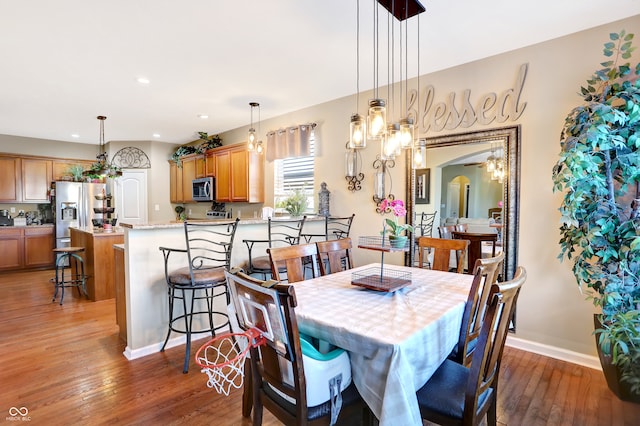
204, 189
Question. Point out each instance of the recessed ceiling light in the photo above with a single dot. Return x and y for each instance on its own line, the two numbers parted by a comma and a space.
75, 135
143, 80
203, 116
156, 135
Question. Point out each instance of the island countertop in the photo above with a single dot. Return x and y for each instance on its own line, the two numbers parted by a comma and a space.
177, 224
99, 232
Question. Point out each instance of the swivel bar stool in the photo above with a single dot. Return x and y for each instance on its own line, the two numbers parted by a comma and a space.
198, 285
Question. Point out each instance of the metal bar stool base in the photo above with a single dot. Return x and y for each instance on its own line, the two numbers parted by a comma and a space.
77, 279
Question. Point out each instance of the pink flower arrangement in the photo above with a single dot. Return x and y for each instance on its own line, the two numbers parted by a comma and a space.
398, 210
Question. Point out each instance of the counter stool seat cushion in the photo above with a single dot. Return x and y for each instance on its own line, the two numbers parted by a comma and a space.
202, 277
68, 249
264, 263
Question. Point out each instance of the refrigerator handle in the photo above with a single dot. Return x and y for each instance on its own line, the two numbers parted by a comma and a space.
81, 208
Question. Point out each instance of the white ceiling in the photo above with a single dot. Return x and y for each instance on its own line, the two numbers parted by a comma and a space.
65, 62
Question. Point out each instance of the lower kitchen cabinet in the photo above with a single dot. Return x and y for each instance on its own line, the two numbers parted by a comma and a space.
26, 247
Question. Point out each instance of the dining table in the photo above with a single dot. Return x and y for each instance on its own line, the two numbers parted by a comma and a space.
476, 240
395, 339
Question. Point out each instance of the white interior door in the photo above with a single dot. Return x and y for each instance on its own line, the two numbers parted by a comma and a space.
453, 199
131, 196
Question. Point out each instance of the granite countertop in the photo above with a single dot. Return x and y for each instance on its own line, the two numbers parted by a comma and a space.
44, 225
176, 224
98, 232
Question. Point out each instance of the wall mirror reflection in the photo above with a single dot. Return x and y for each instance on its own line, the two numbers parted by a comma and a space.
474, 178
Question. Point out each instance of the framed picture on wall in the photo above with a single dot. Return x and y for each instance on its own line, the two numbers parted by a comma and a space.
423, 179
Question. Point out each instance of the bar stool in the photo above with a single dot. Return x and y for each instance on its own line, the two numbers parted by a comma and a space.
75, 279
193, 289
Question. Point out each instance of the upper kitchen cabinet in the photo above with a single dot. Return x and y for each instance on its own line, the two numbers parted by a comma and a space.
37, 175
210, 163
239, 174
175, 183
10, 182
181, 177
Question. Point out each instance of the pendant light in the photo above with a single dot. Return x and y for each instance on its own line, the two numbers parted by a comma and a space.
251, 137
357, 127
102, 167
377, 114
406, 123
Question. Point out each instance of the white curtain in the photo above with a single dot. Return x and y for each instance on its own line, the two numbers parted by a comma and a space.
290, 142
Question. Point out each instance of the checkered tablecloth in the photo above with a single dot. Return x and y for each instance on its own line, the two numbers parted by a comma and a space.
395, 341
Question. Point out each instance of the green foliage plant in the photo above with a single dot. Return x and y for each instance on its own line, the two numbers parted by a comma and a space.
296, 203
599, 173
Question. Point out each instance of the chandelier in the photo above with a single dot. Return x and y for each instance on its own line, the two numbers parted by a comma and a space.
389, 122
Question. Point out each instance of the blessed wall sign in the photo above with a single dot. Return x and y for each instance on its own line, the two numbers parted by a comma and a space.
464, 112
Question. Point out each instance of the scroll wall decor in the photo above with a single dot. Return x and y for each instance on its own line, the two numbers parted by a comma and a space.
131, 158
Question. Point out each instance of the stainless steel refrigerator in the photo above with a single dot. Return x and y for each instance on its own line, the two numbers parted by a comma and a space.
73, 204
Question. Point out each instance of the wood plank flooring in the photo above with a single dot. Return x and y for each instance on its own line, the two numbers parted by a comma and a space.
65, 365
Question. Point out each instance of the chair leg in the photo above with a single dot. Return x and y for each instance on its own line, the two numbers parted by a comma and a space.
491, 413
62, 283
171, 293
247, 389
188, 321
210, 299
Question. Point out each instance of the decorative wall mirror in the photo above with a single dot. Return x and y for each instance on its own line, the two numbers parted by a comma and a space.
466, 154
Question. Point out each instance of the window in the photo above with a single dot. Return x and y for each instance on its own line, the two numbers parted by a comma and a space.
294, 173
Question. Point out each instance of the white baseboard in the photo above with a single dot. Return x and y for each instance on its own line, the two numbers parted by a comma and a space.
554, 352
155, 348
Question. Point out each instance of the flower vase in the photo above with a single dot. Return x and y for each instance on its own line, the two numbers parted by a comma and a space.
398, 241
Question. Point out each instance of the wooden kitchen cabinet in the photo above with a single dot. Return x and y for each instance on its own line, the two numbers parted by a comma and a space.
210, 163
11, 248
10, 181
175, 183
26, 247
188, 175
37, 175
38, 247
223, 176
239, 175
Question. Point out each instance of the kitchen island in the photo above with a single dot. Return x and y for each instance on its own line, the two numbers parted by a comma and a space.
145, 286
99, 265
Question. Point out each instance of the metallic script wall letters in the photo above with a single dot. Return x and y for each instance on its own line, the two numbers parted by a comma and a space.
490, 107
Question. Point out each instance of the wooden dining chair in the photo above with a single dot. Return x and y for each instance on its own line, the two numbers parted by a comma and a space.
334, 255
292, 261
459, 395
486, 273
446, 230
288, 376
441, 249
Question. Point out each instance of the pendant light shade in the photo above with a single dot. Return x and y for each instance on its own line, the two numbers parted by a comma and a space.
357, 132
406, 133
377, 119
391, 142
252, 142
420, 154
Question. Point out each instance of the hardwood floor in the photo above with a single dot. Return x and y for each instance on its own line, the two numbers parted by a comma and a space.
65, 365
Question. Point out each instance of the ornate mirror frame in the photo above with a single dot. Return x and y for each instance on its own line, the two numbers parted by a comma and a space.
511, 187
